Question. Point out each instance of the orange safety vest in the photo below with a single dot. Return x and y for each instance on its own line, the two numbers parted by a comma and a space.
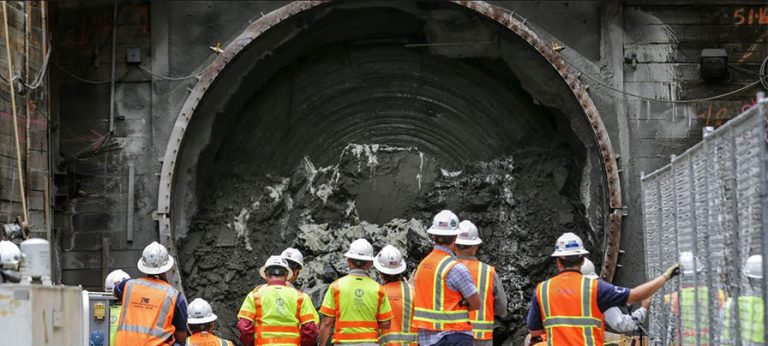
400, 296
147, 315
207, 339
568, 304
482, 319
273, 327
438, 307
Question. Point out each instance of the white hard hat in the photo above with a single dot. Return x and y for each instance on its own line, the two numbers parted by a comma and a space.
588, 269
569, 244
155, 259
753, 269
389, 261
293, 255
275, 261
10, 255
468, 235
445, 223
687, 260
199, 312
360, 249
114, 278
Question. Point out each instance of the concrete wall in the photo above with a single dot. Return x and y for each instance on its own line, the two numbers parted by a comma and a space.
26, 36
174, 38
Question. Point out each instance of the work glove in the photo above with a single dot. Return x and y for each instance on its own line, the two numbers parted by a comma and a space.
672, 271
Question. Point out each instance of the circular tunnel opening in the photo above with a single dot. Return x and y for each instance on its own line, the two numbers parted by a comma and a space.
363, 120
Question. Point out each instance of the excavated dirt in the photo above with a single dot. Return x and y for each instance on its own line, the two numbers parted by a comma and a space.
520, 203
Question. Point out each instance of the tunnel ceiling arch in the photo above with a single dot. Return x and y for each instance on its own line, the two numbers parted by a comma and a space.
212, 97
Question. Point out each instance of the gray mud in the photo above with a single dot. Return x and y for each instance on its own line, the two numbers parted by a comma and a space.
520, 203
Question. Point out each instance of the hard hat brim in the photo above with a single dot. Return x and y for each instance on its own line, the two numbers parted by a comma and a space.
752, 276
390, 271
569, 253
156, 271
211, 318
591, 276
263, 271
470, 242
301, 265
435, 231
358, 257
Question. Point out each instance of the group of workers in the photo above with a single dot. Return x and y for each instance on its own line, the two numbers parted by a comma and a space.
451, 299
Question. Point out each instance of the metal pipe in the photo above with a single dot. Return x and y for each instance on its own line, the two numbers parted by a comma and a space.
130, 211
736, 237
680, 312
695, 248
112, 73
659, 229
707, 239
13, 110
763, 164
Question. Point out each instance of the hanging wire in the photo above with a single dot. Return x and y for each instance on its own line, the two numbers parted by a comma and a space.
711, 98
80, 78
194, 75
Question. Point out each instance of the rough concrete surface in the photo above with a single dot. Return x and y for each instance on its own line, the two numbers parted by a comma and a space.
520, 202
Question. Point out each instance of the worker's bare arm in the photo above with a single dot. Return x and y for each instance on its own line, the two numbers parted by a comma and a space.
474, 302
647, 289
326, 325
537, 332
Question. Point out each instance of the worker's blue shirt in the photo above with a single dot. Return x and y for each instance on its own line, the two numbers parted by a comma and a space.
608, 296
179, 311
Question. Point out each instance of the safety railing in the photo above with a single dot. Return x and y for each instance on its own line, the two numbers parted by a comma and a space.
709, 209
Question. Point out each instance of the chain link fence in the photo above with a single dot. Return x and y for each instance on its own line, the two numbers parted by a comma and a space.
708, 209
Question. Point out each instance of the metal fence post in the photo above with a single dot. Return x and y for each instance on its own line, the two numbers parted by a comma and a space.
736, 237
692, 195
679, 317
763, 140
659, 229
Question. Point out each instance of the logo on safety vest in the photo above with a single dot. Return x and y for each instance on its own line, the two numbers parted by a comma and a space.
359, 293
280, 302
145, 300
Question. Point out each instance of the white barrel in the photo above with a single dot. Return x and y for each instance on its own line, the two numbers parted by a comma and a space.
37, 258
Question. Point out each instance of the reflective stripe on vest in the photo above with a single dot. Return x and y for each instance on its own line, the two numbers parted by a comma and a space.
114, 318
400, 297
206, 339
482, 319
358, 324
750, 320
138, 308
437, 307
569, 310
278, 315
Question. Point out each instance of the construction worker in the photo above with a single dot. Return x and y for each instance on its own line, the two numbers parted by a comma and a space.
356, 304
275, 313
693, 295
493, 298
390, 264
568, 308
295, 260
201, 322
154, 313
10, 261
750, 308
113, 278
614, 317
445, 291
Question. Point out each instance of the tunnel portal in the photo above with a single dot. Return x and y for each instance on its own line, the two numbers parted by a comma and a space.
355, 120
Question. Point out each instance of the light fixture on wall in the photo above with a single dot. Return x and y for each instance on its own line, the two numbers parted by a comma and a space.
714, 65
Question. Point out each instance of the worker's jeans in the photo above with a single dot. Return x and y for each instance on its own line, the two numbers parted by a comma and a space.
455, 339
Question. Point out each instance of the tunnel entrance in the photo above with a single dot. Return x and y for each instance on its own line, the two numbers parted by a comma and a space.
363, 120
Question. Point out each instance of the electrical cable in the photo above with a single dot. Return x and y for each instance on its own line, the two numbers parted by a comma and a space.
194, 75
80, 78
711, 98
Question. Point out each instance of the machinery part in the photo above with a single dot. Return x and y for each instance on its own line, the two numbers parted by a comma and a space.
497, 14
10, 255
36, 263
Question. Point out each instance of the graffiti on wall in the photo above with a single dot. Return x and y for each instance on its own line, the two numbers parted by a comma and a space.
717, 113
750, 16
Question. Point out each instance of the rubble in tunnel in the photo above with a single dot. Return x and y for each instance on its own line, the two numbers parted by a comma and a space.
520, 203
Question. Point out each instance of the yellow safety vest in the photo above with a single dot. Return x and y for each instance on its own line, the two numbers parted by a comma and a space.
358, 303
